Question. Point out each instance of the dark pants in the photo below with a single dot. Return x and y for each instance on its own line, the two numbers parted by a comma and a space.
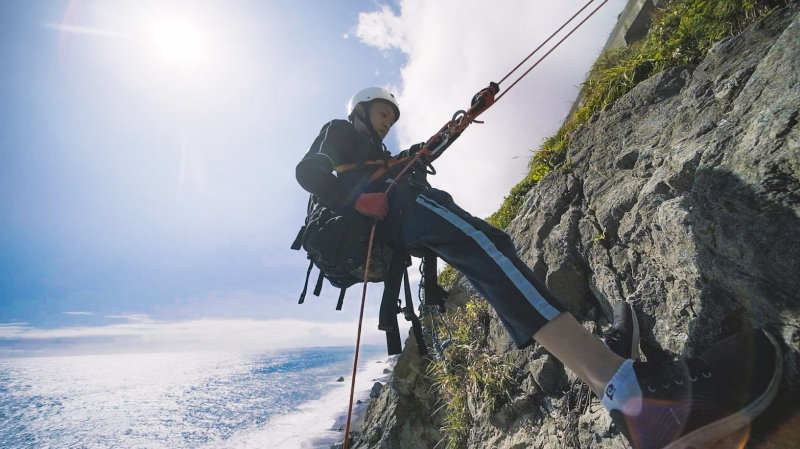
421, 217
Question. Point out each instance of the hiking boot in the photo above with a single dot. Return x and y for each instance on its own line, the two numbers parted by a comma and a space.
696, 402
623, 337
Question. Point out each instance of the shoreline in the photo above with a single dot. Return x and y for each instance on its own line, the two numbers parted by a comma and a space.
359, 410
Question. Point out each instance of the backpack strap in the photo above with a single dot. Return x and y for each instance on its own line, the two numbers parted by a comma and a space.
387, 318
305, 286
435, 295
341, 298
408, 312
298, 241
318, 287
390, 306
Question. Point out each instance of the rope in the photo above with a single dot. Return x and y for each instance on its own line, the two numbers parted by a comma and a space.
545, 42
551, 50
454, 126
358, 339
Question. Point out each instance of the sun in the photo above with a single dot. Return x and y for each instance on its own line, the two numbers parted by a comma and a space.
177, 40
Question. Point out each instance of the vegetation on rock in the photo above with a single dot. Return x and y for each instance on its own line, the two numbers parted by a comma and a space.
681, 34
470, 378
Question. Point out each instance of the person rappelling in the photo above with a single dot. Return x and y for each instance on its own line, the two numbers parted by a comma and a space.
347, 169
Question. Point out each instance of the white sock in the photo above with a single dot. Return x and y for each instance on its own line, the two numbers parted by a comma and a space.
622, 392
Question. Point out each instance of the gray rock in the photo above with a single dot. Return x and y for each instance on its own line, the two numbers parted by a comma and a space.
405, 414
340, 379
550, 376
376, 390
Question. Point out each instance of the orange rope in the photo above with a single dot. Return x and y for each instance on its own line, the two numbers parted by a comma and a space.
358, 339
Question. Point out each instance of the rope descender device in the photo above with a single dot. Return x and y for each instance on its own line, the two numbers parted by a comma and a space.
461, 119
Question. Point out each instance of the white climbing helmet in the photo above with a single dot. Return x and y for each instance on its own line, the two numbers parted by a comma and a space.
371, 94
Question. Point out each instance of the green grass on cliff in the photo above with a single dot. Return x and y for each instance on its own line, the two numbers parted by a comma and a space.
681, 34
471, 376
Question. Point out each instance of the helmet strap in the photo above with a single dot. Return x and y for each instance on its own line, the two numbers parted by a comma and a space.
366, 121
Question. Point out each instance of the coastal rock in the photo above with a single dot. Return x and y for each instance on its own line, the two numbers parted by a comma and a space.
683, 198
376, 390
340, 379
386, 371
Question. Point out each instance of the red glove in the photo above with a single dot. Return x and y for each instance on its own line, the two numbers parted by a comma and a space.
373, 204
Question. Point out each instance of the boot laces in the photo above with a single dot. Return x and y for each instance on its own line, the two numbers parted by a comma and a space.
676, 374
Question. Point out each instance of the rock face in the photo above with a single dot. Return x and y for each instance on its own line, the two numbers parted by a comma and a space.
404, 414
683, 198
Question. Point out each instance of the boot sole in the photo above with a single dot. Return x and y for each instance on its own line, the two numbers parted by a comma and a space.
706, 436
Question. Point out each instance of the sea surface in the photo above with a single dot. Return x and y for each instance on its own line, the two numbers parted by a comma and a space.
285, 398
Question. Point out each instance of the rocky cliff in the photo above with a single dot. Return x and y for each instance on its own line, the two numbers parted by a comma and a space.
683, 198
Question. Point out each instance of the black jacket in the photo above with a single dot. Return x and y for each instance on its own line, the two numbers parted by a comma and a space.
338, 166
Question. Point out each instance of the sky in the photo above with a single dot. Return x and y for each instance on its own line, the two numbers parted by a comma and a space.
147, 153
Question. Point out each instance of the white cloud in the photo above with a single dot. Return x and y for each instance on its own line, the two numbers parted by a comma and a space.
78, 313
134, 317
383, 29
206, 334
453, 49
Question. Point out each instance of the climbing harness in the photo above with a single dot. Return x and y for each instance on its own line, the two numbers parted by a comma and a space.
482, 101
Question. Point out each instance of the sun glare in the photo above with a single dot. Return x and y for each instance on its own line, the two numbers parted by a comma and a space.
177, 40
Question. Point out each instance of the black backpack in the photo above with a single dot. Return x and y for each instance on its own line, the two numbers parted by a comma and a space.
337, 245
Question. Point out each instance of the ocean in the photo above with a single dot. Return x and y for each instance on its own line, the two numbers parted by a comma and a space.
283, 398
